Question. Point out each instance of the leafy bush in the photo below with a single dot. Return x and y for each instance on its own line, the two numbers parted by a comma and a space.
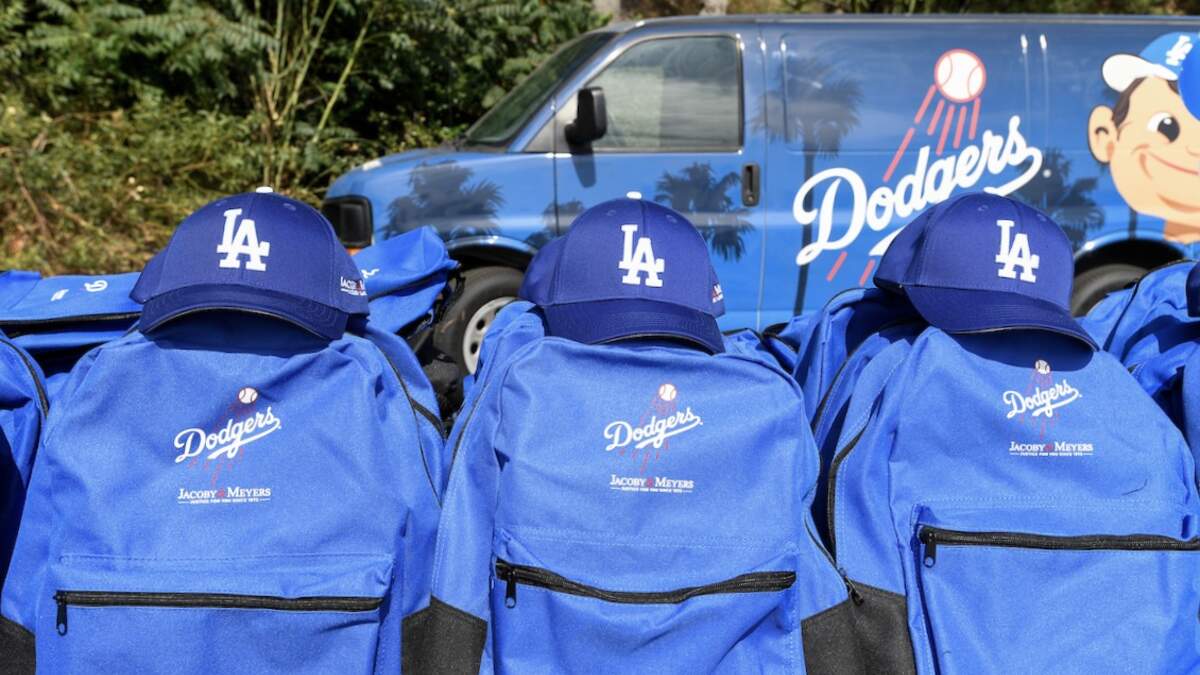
119, 118
103, 191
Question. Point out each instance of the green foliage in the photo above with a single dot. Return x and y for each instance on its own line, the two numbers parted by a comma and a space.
118, 118
103, 191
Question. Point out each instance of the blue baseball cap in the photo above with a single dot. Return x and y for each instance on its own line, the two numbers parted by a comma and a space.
986, 262
899, 254
257, 252
1163, 58
632, 268
535, 286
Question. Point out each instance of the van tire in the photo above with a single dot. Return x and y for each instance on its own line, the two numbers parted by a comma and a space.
1092, 285
484, 291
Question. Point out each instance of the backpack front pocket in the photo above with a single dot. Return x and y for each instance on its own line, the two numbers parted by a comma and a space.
1009, 602
740, 623
325, 618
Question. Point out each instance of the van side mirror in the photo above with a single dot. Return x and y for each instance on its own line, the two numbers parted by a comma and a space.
591, 118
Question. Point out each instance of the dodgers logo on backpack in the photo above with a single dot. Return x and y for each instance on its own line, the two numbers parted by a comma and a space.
648, 441
218, 449
242, 243
639, 261
1038, 406
1015, 252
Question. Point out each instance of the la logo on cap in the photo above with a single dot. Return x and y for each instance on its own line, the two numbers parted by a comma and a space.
1014, 252
641, 260
244, 243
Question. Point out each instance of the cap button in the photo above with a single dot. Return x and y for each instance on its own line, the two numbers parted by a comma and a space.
633, 194
263, 189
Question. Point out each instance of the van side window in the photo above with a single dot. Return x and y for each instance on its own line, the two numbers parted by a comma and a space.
673, 94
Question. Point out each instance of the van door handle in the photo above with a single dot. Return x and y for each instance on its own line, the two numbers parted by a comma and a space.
751, 178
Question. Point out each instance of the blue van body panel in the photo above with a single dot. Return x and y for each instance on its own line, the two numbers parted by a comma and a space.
854, 125
460, 194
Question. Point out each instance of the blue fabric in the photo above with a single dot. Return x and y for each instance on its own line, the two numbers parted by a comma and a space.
404, 276
546, 475
831, 413
627, 263
257, 251
55, 319
1147, 319
986, 262
22, 413
123, 498
1187, 411
824, 339
423, 400
1025, 433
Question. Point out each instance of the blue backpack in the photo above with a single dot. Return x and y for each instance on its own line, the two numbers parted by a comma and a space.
824, 339
831, 411
1185, 402
1012, 502
227, 493
58, 319
1147, 319
633, 508
23, 408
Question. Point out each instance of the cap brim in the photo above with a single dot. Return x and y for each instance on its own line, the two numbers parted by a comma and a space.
322, 320
957, 310
1120, 70
608, 320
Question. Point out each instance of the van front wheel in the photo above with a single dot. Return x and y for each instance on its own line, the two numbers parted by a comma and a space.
1094, 284
486, 290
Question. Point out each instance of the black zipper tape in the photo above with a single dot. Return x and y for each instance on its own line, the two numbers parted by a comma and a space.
755, 582
932, 537
15, 327
831, 492
209, 601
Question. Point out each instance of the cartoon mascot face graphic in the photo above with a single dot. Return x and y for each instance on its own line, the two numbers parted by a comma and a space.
1149, 140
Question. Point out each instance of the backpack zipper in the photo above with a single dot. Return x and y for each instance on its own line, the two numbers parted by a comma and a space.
88, 318
755, 582
208, 601
932, 537
43, 400
831, 492
851, 588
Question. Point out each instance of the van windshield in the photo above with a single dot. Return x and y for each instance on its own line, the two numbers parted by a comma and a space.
501, 123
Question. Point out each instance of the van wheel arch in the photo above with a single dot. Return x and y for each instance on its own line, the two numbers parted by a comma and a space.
1116, 266
489, 280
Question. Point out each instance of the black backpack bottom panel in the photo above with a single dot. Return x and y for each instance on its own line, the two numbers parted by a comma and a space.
857, 637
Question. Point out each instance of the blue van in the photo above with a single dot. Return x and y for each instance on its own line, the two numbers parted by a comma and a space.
800, 146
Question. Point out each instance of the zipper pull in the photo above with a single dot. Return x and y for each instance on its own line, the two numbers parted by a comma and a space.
61, 622
927, 537
510, 590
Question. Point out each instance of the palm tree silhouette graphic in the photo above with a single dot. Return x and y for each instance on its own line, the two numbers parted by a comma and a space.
698, 193
440, 196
